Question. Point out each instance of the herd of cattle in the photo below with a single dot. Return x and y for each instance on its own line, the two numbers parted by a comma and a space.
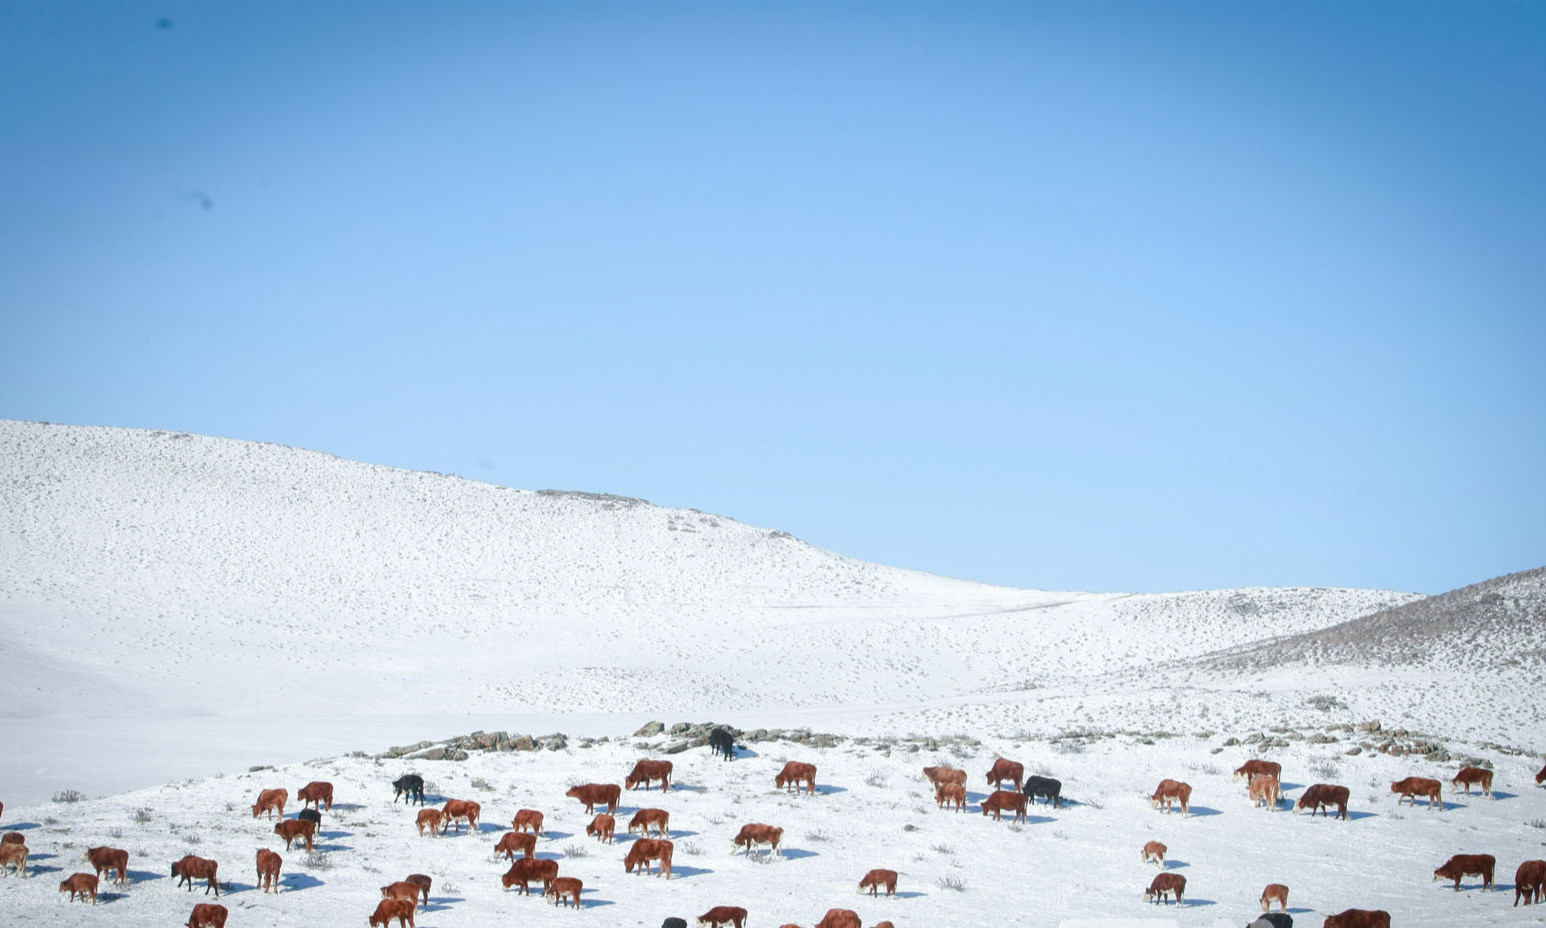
401, 899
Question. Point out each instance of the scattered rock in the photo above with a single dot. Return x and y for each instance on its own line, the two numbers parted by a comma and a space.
1371, 725
649, 729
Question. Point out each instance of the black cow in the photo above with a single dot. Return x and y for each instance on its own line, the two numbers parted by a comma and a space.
1273, 920
1044, 786
721, 741
410, 786
311, 815
673, 921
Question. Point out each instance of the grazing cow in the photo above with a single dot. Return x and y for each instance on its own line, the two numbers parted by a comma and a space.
271, 800
938, 775
1412, 787
312, 816
758, 834
1005, 800
108, 859
1154, 851
951, 794
1358, 918
1172, 790
318, 792
192, 868
79, 884
795, 773
402, 889
839, 918
1461, 865
1273, 920
723, 915
512, 841
674, 922
208, 915
295, 829
1540, 777
524, 870
1274, 891
1322, 796
1046, 787
1006, 770
721, 741
14, 855
602, 827
1256, 767
388, 909
456, 809
595, 794
13, 837
421, 881
1478, 775
875, 879
644, 850
646, 770
269, 863
1163, 885
432, 818
565, 886
1530, 882
527, 819
644, 818
410, 786
1264, 789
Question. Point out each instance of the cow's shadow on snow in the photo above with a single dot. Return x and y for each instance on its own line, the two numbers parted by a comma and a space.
1360, 816
689, 787
828, 790
556, 835
346, 806
20, 826
1175, 864
333, 848
549, 855
39, 855
1039, 819
1499, 794
1189, 903
34, 870
741, 752
682, 834
142, 876
1201, 812
110, 898
1285, 787
437, 903
685, 872
798, 853
334, 835
1298, 911
909, 894
297, 881
972, 797
234, 888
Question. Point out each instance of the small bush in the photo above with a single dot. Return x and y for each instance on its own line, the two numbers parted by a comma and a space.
1095, 804
691, 849
818, 835
876, 779
1068, 747
951, 882
1537, 823
942, 848
1324, 768
317, 860
576, 850
115, 832
69, 795
192, 838
142, 815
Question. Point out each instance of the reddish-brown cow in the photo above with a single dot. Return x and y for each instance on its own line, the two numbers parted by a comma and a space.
596, 794
1006, 770
795, 773
79, 884
602, 827
527, 819
269, 863
1322, 796
644, 850
1274, 891
208, 915
13, 837
1154, 851
1478, 775
950, 794
644, 818
1163, 885
108, 859
723, 915
296, 829
878, 878
14, 855
527, 869
839, 918
758, 834
1460, 865
1412, 787
1172, 790
647, 770
1005, 800
939, 775
512, 841
192, 868
565, 886
318, 793
432, 819
388, 909
456, 810
1256, 767
1540, 777
1530, 882
1264, 789
270, 801
1358, 918
402, 889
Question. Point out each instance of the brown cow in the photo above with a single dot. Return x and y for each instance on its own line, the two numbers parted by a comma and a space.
1005, 800
758, 834
1154, 851
269, 863
192, 868
1461, 865
1412, 787
595, 794
208, 915
878, 878
421, 881
1469, 775
1172, 790
317, 792
402, 889
14, 855
646, 770
602, 827
939, 775
644, 850
512, 841
795, 773
388, 909
526, 869
296, 828
1274, 891
1322, 796
1530, 882
434, 819
839, 918
644, 818
1264, 789
1358, 918
951, 794
1256, 766
565, 886
1006, 770
271, 800
527, 819
723, 914
13, 837
457, 809
108, 859
79, 884
1540, 777
1163, 885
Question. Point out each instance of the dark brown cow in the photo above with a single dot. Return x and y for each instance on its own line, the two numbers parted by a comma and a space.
1358, 918
1172, 790
318, 793
192, 868
1412, 787
839, 918
1322, 796
644, 818
421, 881
602, 827
644, 850
271, 800
1540, 777
527, 819
512, 841
950, 794
875, 879
14, 855
1256, 767
758, 834
646, 770
108, 859
80, 884
723, 915
595, 794
402, 889
296, 829
1479, 775
939, 775
388, 909
527, 869
1460, 865
795, 773
1530, 882
1006, 770
457, 809
565, 886
1274, 891
1163, 885
1154, 851
208, 915
1264, 789
1005, 800
269, 863
433, 819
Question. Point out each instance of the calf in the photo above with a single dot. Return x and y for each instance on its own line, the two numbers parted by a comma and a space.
269, 863
1264, 789
647, 770
296, 829
950, 794
644, 850
318, 792
512, 841
595, 794
402, 889
388, 909
1461, 865
839, 918
527, 819
1358, 918
1479, 775
312, 816
1006, 770
878, 878
1412, 787
795, 773
722, 915
456, 810
602, 827
938, 775
421, 881
1163, 885
721, 741
271, 801
1004, 800
410, 786
208, 915
1530, 882
1171, 790
192, 868
758, 834
108, 859
1322, 796
1256, 766
565, 886
1154, 851
525, 870
644, 818
80, 884
433, 819
1046, 787
1274, 891
14, 856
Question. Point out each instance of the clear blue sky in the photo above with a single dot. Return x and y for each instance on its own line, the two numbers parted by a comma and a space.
1115, 296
